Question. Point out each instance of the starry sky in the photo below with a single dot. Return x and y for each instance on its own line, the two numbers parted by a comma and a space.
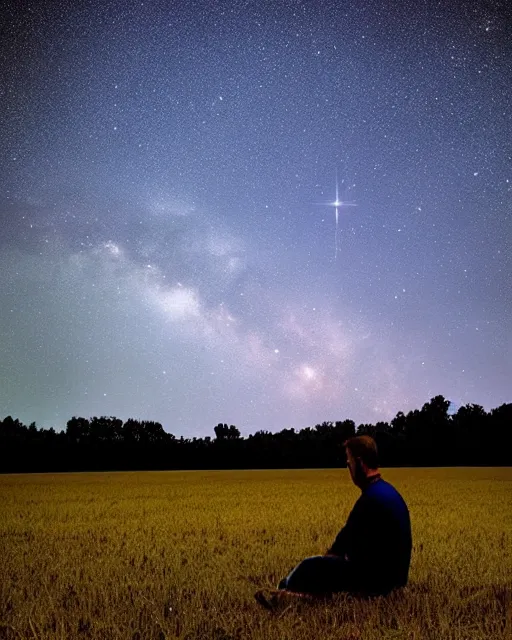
168, 239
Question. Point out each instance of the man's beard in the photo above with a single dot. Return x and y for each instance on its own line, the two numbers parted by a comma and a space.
359, 476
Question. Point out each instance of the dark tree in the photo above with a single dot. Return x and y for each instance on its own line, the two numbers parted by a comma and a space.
428, 436
223, 432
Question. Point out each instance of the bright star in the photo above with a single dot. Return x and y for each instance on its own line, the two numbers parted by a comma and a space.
337, 204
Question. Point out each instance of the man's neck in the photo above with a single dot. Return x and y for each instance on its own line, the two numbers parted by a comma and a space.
372, 476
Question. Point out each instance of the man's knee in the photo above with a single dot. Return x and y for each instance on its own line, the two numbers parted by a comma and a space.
308, 576
312, 560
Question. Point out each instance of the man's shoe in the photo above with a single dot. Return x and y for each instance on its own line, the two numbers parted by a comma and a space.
268, 598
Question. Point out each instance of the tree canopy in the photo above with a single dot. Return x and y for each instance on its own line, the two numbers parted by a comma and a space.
429, 436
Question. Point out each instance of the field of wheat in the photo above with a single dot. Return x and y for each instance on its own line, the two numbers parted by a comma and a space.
168, 555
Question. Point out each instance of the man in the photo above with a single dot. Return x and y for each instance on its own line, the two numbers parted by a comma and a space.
372, 552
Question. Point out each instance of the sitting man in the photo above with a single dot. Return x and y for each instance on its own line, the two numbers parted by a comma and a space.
372, 553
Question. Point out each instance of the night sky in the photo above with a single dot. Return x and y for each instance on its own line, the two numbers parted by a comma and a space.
168, 239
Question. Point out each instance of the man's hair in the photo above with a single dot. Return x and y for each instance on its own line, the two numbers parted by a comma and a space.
365, 448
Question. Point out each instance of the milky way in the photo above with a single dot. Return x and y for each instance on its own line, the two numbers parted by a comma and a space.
163, 254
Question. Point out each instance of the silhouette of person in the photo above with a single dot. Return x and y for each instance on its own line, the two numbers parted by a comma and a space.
371, 554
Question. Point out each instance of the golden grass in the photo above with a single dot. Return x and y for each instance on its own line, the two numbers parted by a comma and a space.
180, 554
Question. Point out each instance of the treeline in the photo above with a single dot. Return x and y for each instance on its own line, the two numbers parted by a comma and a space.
426, 437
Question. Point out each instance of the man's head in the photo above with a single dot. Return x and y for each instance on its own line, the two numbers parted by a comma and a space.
362, 459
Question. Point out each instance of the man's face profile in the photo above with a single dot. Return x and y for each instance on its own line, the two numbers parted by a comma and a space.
357, 472
351, 464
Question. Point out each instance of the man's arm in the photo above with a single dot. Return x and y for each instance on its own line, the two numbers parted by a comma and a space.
339, 546
343, 542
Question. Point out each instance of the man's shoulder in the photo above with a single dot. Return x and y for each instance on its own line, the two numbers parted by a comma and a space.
382, 485
383, 491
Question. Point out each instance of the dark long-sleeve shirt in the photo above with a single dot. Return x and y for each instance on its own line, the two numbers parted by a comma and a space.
377, 538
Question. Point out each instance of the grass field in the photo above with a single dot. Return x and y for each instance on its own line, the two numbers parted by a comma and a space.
180, 554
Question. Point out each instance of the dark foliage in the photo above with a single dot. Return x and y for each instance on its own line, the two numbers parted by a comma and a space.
426, 437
